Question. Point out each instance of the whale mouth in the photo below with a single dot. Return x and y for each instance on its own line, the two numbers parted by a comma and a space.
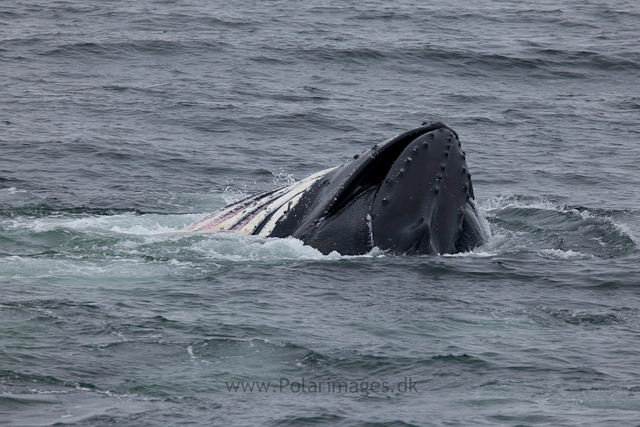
416, 188
408, 195
411, 194
421, 205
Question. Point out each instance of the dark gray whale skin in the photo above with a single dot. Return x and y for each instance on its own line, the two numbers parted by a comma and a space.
409, 195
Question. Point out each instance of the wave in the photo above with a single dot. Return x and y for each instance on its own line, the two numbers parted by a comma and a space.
554, 230
537, 58
19, 378
135, 245
42, 240
116, 50
541, 59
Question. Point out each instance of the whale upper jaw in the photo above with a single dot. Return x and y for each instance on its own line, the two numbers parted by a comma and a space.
412, 194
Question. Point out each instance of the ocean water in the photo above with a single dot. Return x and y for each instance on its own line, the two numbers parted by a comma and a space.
123, 122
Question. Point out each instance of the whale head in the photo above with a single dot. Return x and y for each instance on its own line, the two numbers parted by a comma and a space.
411, 194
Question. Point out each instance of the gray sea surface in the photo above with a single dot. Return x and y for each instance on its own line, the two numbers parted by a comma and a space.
123, 122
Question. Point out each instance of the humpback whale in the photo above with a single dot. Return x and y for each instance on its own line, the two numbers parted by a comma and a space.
411, 194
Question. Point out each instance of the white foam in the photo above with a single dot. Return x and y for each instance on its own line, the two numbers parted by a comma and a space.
126, 223
231, 196
472, 254
564, 255
242, 248
282, 177
485, 227
11, 190
144, 230
508, 200
624, 229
